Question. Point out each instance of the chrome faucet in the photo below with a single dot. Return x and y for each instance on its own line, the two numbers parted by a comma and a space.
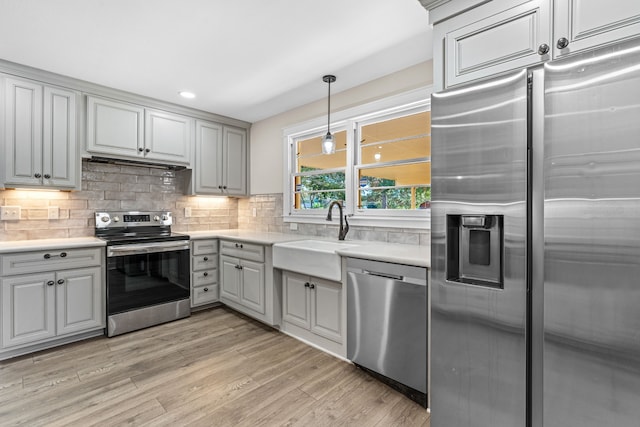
344, 229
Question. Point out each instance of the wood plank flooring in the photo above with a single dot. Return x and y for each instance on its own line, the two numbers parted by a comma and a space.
216, 368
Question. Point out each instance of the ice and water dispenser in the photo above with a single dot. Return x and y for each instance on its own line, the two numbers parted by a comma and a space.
475, 249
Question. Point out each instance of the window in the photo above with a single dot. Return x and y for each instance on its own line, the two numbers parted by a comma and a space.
381, 169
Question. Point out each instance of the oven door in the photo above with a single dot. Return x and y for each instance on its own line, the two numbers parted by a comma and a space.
145, 275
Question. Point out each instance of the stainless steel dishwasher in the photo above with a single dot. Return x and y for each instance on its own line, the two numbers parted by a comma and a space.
387, 323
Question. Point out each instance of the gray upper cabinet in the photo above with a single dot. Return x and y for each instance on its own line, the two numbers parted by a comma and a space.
580, 25
220, 160
500, 35
40, 144
122, 130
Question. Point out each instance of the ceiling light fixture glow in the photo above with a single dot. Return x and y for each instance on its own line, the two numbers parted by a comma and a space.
186, 94
328, 141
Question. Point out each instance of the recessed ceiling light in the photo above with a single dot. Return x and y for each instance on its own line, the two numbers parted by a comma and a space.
188, 95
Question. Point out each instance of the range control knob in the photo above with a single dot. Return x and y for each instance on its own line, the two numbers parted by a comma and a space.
104, 219
156, 218
116, 219
165, 217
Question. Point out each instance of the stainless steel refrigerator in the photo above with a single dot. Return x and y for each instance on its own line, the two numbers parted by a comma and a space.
535, 213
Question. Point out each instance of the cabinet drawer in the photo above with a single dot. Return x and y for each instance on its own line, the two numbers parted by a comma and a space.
248, 251
204, 262
58, 259
200, 247
205, 277
204, 295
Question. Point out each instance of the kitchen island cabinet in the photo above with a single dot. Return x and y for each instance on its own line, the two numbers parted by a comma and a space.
50, 297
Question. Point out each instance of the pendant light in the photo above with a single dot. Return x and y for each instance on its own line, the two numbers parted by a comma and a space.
328, 141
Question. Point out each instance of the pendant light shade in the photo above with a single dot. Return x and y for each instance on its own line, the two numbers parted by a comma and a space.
328, 141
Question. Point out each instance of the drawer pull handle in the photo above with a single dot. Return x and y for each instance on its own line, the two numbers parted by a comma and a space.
239, 245
205, 274
206, 258
61, 255
206, 289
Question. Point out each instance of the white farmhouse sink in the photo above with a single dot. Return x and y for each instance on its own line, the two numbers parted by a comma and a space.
313, 257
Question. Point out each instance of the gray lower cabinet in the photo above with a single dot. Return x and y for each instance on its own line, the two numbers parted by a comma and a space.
40, 144
312, 309
204, 272
57, 300
247, 280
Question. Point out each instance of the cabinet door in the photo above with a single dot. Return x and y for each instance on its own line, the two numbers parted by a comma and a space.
229, 278
235, 161
295, 299
60, 158
505, 41
252, 285
23, 132
208, 159
114, 128
167, 137
589, 23
326, 309
79, 299
28, 309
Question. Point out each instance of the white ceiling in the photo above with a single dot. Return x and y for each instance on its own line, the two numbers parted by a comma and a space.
247, 59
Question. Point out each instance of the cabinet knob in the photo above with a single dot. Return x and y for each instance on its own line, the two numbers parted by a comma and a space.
306, 285
50, 283
63, 254
206, 289
47, 256
543, 49
140, 149
47, 176
562, 43
37, 175
148, 150
60, 281
224, 187
206, 258
312, 286
220, 187
205, 274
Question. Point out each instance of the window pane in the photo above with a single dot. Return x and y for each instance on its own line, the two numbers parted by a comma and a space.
317, 191
401, 138
395, 187
309, 155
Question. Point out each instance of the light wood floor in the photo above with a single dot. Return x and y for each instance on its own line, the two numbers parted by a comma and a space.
216, 368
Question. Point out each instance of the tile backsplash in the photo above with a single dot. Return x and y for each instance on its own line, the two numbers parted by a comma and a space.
117, 187
264, 213
113, 187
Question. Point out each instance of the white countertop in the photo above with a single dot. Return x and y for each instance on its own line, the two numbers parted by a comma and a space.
48, 244
379, 251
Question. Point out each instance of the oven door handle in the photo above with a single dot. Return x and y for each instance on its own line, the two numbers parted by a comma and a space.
147, 248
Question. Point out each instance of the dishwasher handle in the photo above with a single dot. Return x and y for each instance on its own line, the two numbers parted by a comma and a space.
384, 275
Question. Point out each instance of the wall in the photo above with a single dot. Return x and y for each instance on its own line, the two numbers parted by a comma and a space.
267, 145
113, 187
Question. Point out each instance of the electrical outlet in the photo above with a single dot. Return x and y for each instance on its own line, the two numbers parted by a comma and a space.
9, 213
293, 226
254, 212
187, 212
54, 212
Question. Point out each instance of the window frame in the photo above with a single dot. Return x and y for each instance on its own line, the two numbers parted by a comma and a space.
350, 119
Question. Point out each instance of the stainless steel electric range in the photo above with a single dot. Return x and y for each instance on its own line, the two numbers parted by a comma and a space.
148, 272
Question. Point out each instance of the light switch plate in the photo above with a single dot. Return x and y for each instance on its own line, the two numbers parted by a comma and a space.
9, 213
187, 212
